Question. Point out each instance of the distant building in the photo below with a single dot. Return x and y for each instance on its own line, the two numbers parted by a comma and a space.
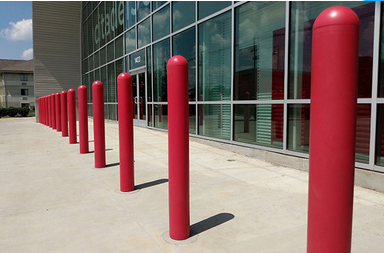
17, 83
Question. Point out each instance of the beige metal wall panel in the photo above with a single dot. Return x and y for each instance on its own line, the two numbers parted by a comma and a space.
56, 46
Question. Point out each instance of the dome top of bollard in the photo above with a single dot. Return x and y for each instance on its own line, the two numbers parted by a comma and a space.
71, 90
337, 15
63, 92
177, 60
124, 75
97, 83
82, 87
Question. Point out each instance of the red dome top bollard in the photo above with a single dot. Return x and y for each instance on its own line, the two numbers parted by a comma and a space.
72, 116
58, 112
53, 109
178, 148
333, 128
83, 119
124, 96
64, 114
98, 123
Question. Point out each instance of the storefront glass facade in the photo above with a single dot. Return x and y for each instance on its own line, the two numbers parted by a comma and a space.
249, 68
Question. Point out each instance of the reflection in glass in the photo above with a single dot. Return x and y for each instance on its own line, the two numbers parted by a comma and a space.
215, 58
119, 6
298, 127
130, 14
157, 4
112, 90
380, 136
192, 119
109, 22
161, 23
101, 10
104, 80
110, 51
215, 121
103, 56
184, 44
137, 59
161, 116
303, 15
119, 47
112, 112
96, 59
207, 8
259, 53
143, 9
149, 86
161, 55
259, 124
144, 33
183, 14
141, 99
363, 132
130, 41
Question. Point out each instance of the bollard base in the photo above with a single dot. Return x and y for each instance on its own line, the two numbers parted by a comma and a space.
189, 240
130, 192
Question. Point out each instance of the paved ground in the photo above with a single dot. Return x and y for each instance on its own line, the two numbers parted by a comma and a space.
52, 199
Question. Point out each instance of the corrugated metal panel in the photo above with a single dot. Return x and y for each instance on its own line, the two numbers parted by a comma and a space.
56, 46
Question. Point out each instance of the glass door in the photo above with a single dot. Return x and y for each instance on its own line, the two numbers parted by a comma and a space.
138, 98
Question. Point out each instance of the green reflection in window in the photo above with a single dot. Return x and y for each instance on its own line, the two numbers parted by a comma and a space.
215, 58
303, 15
215, 121
161, 116
110, 52
109, 22
96, 59
104, 80
161, 55
149, 75
207, 8
157, 4
130, 41
112, 90
183, 14
130, 14
298, 128
144, 33
259, 124
184, 44
143, 9
119, 17
192, 119
161, 23
119, 47
103, 56
259, 53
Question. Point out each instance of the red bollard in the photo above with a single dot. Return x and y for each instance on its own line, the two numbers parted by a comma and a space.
160, 110
246, 113
72, 116
49, 111
124, 96
64, 114
178, 148
141, 108
58, 112
333, 128
53, 109
99, 123
134, 108
83, 119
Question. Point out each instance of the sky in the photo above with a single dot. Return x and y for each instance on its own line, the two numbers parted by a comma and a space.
16, 30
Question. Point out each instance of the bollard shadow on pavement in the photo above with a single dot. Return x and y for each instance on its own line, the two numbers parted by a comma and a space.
112, 164
210, 222
150, 184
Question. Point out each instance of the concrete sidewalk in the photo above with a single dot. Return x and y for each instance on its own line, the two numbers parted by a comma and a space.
52, 199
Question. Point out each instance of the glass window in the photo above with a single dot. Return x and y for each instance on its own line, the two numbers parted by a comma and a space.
103, 56
183, 14
215, 121
96, 31
130, 14
298, 127
130, 41
207, 8
109, 21
192, 119
215, 58
102, 23
161, 116
23, 77
259, 124
104, 80
119, 47
184, 44
24, 92
363, 132
143, 9
119, 20
380, 135
112, 90
149, 75
90, 63
137, 59
110, 52
259, 53
157, 4
161, 23
303, 15
161, 55
144, 33
96, 59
